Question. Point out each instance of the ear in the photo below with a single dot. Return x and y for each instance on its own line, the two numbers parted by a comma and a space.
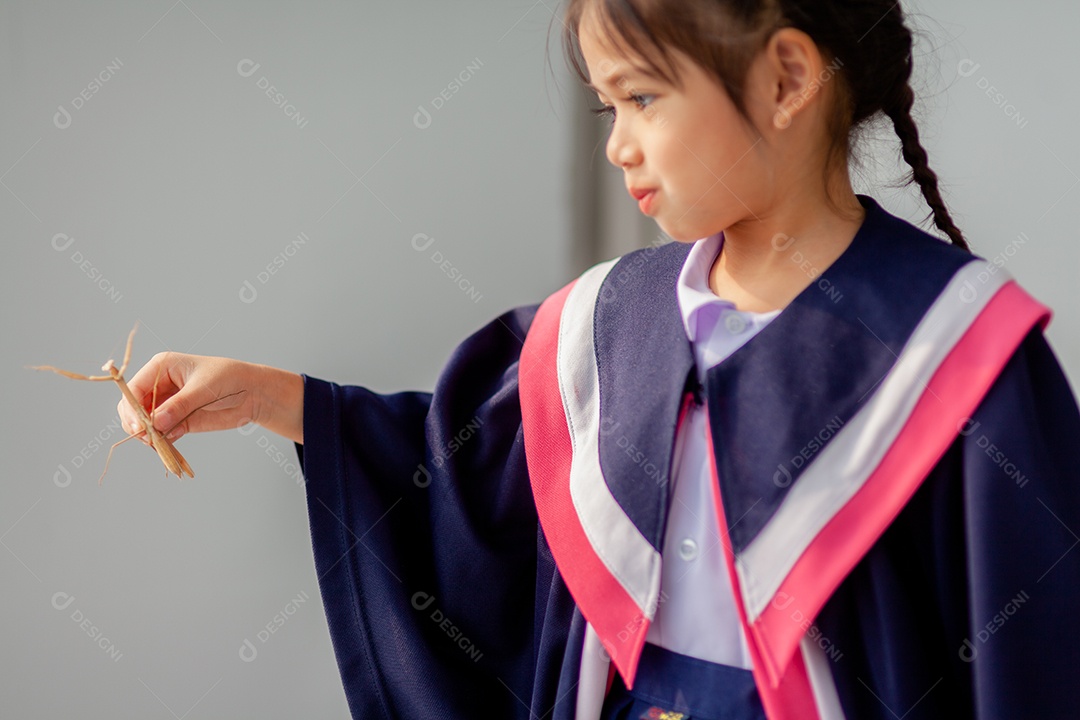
797, 68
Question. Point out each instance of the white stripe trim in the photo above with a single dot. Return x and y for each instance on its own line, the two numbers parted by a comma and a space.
821, 681
626, 553
842, 468
592, 677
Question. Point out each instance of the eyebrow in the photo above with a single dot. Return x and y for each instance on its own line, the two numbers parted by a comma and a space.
616, 80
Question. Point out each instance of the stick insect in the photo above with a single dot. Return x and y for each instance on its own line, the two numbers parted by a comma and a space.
172, 459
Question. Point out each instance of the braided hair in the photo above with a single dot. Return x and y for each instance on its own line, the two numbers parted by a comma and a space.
867, 39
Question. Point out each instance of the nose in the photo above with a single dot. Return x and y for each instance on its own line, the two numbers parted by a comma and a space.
622, 149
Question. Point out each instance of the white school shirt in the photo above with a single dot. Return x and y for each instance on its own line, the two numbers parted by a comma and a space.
696, 615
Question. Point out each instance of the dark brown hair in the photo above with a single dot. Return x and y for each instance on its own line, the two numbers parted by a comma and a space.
867, 41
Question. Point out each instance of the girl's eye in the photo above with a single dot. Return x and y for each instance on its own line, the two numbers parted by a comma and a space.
608, 111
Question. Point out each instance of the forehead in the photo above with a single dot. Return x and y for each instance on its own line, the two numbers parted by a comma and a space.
610, 58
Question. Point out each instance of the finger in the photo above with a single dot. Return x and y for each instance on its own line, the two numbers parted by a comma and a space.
186, 405
211, 418
129, 421
167, 370
177, 431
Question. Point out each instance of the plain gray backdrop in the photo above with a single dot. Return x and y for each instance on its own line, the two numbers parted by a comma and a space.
253, 179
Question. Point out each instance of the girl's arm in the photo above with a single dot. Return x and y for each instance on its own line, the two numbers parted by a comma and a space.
425, 538
424, 532
196, 393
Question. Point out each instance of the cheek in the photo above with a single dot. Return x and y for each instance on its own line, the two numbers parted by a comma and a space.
686, 167
712, 185
734, 166
694, 176
719, 139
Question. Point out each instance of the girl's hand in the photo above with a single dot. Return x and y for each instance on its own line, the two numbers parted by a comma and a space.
196, 393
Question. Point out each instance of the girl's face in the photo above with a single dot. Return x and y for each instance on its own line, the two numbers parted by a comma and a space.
688, 157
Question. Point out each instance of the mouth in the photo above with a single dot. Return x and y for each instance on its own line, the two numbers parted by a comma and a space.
645, 198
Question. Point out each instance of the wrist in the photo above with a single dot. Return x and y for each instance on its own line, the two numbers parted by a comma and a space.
280, 395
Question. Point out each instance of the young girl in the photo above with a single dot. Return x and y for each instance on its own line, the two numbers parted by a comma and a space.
806, 461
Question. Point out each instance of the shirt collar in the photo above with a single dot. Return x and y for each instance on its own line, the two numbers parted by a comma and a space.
695, 294
693, 285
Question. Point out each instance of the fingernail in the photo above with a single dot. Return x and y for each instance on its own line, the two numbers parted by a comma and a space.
133, 427
175, 433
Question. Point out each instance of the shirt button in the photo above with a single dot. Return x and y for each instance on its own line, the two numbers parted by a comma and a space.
735, 323
688, 549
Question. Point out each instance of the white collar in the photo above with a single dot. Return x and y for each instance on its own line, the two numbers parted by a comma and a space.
693, 288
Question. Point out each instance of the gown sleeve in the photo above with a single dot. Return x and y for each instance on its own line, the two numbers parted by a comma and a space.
424, 534
967, 606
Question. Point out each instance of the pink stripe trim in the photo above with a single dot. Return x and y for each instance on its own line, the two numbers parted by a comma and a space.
618, 621
687, 401
790, 697
953, 393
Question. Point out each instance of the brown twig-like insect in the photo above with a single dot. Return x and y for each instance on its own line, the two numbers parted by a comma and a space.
172, 459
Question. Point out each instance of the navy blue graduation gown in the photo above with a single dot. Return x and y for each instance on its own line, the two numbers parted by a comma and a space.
442, 592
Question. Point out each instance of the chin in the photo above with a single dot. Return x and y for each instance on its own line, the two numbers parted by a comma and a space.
683, 234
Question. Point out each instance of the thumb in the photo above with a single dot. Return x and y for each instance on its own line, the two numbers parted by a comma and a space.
170, 418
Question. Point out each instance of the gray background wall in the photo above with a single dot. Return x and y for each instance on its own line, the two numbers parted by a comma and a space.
178, 180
